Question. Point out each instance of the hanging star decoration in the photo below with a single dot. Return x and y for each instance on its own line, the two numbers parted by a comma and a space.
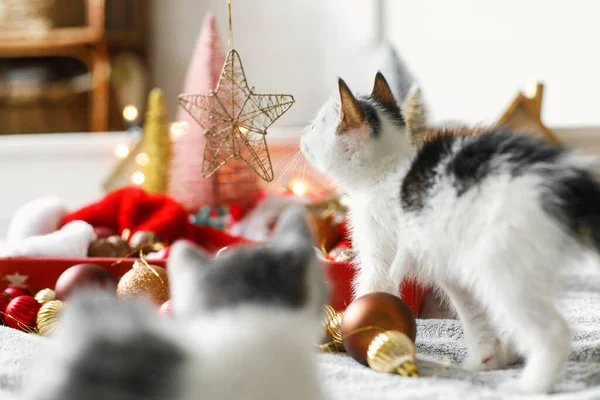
16, 280
235, 120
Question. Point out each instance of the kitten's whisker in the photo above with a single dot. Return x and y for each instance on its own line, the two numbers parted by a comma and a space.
284, 157
293, 171
303, 170
287, 169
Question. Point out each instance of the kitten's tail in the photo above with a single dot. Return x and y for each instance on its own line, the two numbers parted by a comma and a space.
578, 193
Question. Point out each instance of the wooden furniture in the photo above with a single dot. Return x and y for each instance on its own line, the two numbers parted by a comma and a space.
86, 43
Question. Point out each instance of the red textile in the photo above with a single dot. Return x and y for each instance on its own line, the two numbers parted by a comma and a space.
134, 209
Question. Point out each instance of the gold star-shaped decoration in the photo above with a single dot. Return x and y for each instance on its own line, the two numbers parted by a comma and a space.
16, 280
235, 120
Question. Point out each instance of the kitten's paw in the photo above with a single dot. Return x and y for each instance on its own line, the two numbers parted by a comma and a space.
509, 353
499, 356
521, 386
477, 362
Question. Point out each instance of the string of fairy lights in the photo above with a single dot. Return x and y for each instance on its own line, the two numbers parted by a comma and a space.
133, 137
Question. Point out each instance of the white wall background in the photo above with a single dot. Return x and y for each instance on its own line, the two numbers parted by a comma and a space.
287, 46
470, 56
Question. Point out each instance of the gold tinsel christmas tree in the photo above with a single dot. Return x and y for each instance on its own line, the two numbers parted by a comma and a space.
156, 144
415, 116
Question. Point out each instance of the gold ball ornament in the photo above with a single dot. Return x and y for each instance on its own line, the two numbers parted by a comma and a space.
113, 246
145, 241
332, 334
392, 352
325, 231
145, 280
45, 295
370, 315
48, 317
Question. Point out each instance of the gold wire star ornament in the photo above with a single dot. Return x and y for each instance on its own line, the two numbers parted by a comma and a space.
238, 118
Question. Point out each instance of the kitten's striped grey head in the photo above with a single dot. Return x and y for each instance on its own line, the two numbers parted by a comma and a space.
353, 134
286, 273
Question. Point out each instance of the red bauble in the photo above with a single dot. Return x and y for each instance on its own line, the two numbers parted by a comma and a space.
21, 313
222, 251
14, 291
82, 276
4, 300
370, 315
166, 309
102, 232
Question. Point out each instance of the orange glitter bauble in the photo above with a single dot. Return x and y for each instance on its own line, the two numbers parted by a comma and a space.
145, 280
370, 315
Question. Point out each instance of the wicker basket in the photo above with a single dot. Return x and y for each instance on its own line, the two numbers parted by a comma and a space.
52, 107
26, 16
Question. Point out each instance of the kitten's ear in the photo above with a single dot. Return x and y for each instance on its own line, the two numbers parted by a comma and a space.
381, 89
184, 255
351, 113
186, 266
293, 230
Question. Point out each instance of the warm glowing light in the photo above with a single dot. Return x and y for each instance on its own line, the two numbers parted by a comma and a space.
130, 113
299, 188
345, 201
122, 150
178, 129
142, 159
243, 129
138, 178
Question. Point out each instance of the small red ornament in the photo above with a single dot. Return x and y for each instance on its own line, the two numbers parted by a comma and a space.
103, 232
14, 291
166, 309
81, 276
4, 300
222, 251
21, 313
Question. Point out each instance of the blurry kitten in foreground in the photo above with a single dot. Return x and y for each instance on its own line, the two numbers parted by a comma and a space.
245, 327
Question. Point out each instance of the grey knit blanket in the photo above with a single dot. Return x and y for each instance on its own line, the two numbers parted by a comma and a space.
440, 351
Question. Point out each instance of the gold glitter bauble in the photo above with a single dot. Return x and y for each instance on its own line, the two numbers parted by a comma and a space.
392, 352
45, 295
145, 280
48, 317
331, 326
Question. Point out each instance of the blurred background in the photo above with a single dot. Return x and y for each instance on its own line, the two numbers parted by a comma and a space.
75, 74
469, 56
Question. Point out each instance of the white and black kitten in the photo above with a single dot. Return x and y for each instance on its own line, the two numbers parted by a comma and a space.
489, 218
245, 327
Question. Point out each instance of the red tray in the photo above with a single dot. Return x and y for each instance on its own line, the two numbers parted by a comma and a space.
43, 272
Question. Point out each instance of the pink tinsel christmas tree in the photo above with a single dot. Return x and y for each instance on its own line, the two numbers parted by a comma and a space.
234, 183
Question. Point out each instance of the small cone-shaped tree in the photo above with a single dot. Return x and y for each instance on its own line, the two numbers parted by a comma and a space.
156, 144
233, 183
414, 114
